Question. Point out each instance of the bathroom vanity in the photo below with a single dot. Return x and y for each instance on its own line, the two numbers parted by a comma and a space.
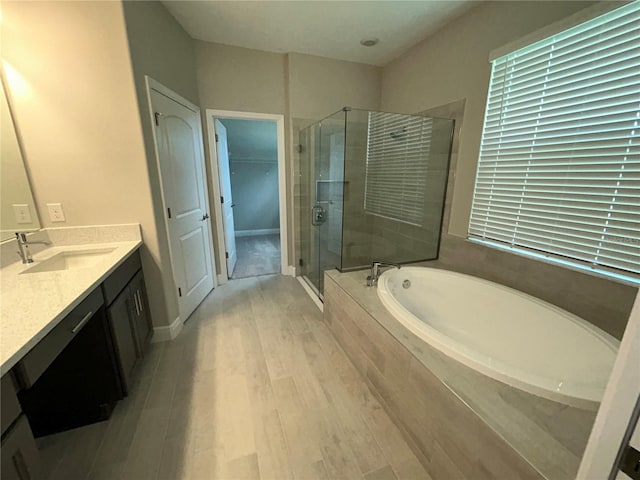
75, 327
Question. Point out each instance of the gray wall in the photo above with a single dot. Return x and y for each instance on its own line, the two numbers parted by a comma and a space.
161, 49
80, 124
254, 185
253, 164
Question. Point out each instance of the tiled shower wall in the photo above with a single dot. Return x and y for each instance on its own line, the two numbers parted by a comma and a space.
603, 302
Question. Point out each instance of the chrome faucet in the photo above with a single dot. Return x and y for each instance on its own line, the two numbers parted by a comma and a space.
23, 246
372, 279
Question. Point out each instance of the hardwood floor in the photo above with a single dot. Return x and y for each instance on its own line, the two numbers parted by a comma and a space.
257, 255
255, 387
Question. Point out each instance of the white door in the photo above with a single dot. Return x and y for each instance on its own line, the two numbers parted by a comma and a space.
180, 153
227, 200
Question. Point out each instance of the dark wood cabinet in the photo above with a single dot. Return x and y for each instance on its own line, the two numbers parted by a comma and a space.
20, 459
78, 371
128, 318
119, 313
142, 319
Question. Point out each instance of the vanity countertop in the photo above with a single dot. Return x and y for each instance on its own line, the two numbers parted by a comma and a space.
32, 304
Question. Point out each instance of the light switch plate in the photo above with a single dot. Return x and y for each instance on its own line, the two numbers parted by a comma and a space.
22, 213
56, 214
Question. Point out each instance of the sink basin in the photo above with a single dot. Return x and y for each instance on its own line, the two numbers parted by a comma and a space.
70, 260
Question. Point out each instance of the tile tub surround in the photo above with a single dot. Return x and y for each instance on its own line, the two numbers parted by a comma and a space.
32, 304
460, 423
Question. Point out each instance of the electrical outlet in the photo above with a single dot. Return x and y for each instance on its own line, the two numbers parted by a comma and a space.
22, 213
56, 214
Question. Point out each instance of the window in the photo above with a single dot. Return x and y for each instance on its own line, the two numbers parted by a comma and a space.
559, 166
397, 162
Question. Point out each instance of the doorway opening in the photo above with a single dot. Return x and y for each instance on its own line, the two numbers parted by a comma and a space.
248, 160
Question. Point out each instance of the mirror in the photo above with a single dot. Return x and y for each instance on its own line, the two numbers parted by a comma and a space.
18, 209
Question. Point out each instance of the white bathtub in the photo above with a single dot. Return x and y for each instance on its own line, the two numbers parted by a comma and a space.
503, 333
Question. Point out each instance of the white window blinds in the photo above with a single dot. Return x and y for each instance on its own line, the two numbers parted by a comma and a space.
559, 166
397, 162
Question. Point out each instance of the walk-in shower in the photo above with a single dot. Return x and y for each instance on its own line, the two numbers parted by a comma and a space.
372, 187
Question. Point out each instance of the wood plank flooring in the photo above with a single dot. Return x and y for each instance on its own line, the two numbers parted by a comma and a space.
257, 255
255, 387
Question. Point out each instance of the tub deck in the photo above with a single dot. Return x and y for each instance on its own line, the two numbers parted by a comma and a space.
549, 436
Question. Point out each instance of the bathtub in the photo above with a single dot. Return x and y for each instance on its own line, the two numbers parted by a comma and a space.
503, 333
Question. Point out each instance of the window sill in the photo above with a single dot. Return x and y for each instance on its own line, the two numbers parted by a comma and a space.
627, 279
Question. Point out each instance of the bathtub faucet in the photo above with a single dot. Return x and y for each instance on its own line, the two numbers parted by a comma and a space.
372, 279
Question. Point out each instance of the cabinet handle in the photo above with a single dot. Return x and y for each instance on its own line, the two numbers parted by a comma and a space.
139, 293
81, 323
20, 466
135, 300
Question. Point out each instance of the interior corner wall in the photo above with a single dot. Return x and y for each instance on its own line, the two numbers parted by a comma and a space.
321, 86
240, 79
75, 108
293, 85
161, 49
453, 64
244, 80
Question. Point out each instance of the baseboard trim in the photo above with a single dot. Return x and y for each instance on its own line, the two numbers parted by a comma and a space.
167, 333
311, 293
253, 233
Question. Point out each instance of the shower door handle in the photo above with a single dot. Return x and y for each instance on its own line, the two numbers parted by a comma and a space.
318, 215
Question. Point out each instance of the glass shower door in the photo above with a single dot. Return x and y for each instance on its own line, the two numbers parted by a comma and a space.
330, 194
321, 193
308, 262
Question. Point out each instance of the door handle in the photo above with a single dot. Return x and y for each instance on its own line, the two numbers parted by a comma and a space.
204, 217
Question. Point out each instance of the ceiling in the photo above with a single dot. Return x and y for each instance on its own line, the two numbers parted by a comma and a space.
252, 140
326, 28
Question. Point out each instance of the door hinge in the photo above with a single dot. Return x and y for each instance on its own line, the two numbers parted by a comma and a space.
169, 212
157, 115
301, 262
221, 199
217, 138
226, 254
300, 148
179, 292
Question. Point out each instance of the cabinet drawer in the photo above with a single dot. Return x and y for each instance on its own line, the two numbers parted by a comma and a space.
40, 357
20, 459
9, 406
119, 279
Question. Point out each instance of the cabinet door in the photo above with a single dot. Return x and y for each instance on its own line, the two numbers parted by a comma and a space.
142, 318
9, 406
20, 457
121, 316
